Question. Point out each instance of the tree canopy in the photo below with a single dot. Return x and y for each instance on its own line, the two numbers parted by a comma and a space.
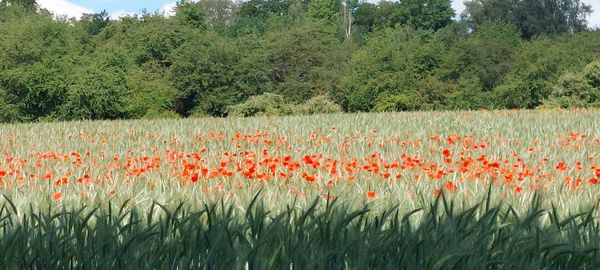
532, 17
221, 58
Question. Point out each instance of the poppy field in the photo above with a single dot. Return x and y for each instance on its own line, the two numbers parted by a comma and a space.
487, 189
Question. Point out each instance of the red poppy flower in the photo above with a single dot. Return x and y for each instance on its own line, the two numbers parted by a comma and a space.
450, 187
195, 178
561, 166
518, 189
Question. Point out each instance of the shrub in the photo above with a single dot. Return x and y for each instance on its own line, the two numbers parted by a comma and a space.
592, 74
399, 102
93, 104
148, 95
580, 90
319, 105
267, 104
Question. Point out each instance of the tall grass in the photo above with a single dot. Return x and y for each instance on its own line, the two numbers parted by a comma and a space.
327, 235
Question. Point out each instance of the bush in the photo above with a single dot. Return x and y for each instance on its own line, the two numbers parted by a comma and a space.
400, 102
267, 104
592, 74
148, 95
96, 95
319, 105
470, 96
579, 90
527, 88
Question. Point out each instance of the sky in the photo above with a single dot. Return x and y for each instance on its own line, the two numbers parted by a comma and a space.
117, 8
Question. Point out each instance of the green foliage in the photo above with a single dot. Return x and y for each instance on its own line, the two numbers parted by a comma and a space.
152, 38
581, 89
486, 56
319, 105
399, 102
267, 104
99, 87
214, 54
212, 73
29, 5
420, 14
539, 63
536, 69
191, 14
532, 17
8, 111
366, 17
427, 14
94, 23
148, 92
469, 95
325, 235
324, 11
36, 63
528, 88
592, 74
303, 61
260, 16
263, 9
97, 94
393, 62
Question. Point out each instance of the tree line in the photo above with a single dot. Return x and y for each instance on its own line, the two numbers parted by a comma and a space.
277, 57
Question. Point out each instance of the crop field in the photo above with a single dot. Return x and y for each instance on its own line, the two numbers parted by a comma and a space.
427, 190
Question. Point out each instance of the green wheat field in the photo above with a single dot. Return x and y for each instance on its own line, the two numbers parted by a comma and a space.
422, 190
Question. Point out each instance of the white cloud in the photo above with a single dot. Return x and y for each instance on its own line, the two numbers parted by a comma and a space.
121, 13
63, 7
458, 7
594, 22
594, 19
168, 9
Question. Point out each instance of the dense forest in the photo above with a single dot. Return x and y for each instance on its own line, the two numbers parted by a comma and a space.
278, 57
